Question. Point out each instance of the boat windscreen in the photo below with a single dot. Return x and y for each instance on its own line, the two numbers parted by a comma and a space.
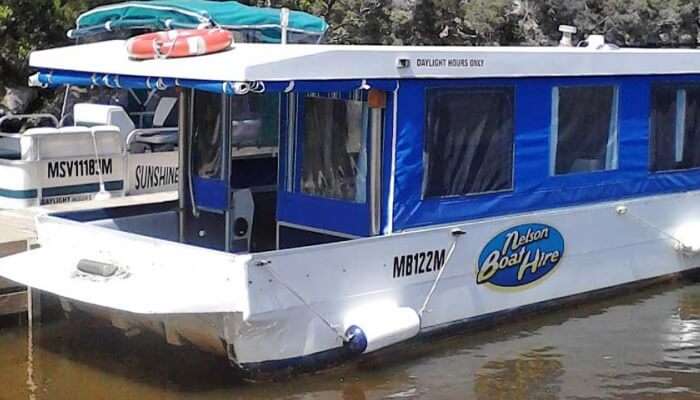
140, 104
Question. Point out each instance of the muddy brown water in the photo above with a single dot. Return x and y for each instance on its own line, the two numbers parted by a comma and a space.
644, 345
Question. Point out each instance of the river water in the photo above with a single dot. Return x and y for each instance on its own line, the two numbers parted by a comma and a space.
635, 346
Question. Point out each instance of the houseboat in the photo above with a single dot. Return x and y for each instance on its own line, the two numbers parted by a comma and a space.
415, 189
114, 138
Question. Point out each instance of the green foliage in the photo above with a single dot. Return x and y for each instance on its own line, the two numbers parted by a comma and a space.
647, 23
26, 25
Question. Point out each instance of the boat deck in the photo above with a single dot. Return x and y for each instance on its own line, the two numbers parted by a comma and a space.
18, 234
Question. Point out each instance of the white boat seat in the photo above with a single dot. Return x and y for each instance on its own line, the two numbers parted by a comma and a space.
41, 131
68, 142
75, 129
87, 114
163, 110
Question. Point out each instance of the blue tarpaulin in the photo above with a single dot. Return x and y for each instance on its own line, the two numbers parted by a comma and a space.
55, 78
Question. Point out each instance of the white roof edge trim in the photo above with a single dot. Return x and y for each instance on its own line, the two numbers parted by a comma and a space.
261, 62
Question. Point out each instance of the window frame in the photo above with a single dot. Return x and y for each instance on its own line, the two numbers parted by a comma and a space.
224, 108
677, 85
475, 86
613, 127
294, 175
278, 123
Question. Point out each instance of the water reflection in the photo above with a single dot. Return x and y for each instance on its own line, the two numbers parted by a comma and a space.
532, 375
642, 345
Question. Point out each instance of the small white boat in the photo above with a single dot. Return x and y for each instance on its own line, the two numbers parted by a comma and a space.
101, 154
416, 189
115, 138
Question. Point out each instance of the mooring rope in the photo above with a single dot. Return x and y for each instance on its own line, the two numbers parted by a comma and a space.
622, 210
301, 299
456, 233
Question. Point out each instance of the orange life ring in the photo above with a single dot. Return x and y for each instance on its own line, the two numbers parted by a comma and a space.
178, 43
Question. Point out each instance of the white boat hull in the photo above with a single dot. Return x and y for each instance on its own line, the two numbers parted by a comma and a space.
69, 179
282, 308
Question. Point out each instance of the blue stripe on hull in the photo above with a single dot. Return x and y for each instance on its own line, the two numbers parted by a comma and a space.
81, 189
19, 194
111, 186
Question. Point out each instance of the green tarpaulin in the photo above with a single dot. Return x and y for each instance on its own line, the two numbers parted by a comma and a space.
252, 24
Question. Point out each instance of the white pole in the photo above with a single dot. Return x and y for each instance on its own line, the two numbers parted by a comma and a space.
284, 23
103, 193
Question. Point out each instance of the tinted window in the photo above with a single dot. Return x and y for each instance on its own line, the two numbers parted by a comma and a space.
334, 156
255, 120
468, 141
584, 129
675, 127
207, 133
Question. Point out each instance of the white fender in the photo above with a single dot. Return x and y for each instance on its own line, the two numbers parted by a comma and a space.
376, 326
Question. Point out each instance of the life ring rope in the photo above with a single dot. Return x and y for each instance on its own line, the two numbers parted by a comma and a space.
178, 43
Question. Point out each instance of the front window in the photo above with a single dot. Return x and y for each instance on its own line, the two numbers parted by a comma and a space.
255, 120
333, 136
468, 141
584, 129
675, 127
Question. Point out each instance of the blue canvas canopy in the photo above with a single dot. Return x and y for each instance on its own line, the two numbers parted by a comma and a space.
254, 24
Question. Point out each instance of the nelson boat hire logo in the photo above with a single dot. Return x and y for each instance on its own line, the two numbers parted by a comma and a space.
520, 255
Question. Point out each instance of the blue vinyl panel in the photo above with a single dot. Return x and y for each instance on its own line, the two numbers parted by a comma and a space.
534, 188
318, 212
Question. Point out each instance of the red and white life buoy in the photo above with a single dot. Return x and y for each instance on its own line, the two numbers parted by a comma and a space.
178, 43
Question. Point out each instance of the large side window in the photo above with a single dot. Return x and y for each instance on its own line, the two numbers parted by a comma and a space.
334, 159
468, 141
675, 127
584, 129
207, 131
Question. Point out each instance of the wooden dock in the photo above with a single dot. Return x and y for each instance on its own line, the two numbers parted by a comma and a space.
18, 234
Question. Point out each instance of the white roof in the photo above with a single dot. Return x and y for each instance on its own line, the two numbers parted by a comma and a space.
274, 62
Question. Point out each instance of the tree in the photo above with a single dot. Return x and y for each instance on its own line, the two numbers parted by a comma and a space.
28, 25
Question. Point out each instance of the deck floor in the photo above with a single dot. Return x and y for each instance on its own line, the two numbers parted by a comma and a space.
18, 234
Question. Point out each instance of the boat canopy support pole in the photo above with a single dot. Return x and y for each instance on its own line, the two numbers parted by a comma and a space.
226, 156
376, 130
184, 170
